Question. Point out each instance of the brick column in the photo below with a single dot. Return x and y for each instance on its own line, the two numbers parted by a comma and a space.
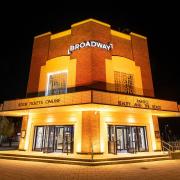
141, 58
39, 57
157, 132
90, 131
90, 60
23, 132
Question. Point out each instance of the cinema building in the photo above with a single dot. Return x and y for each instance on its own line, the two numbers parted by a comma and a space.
90, 90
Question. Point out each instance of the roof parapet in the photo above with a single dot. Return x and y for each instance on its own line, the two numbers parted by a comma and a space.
41, 35
90, 20
138, 35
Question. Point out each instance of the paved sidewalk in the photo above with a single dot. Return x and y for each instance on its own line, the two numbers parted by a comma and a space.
22, 170
64, 155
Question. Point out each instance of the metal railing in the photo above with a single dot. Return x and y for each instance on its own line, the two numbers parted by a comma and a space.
167, 147
175, 145
171, 146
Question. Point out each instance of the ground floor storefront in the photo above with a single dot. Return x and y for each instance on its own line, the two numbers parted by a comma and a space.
121, 139
86, 132
90, 122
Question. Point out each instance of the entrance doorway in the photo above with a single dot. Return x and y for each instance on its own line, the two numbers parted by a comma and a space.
53, 139
129, 139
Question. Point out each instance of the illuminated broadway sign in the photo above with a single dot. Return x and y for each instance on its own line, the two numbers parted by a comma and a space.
85, 44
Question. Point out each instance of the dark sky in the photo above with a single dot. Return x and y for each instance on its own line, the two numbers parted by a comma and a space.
159, 22
20, 24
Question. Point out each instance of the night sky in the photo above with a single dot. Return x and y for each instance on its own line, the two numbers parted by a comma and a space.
21, 22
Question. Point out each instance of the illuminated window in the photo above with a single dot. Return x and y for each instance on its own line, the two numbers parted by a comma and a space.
57, 83
124, 82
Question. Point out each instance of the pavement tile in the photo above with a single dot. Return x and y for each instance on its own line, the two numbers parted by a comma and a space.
23, 170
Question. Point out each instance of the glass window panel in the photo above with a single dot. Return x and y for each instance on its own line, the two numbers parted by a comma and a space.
125, 139
120, 139
124, 82
51, 137
141, 138
57, 83
39, 137
46, 136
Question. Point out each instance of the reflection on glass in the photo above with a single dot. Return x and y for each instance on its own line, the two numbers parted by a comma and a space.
141, 138
52, 138
46, 136
39, 137
57, 83
128, 139
59, 138
120, 139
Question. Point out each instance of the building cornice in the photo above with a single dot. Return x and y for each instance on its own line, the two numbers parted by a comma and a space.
138, 35
90, 20
41, 35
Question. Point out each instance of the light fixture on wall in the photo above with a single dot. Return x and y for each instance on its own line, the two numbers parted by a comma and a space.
50, 119
73, 119
108, 119
131, 119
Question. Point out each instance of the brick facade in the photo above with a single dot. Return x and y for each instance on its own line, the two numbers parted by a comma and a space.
90, 61
40, 55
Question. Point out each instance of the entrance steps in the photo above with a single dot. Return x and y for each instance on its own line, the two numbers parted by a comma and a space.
84, 162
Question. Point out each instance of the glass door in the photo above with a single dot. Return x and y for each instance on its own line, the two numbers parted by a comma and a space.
121, 139
68, 139
132, 139
38, 138
54, 138
137, 140
59, 139
129, 139
142, 140
48, 141
111, 140
64, 139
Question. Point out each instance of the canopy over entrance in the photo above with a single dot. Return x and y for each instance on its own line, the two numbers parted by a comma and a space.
91, 100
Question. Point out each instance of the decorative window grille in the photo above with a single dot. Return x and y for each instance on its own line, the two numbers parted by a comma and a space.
124, 82
57, 83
